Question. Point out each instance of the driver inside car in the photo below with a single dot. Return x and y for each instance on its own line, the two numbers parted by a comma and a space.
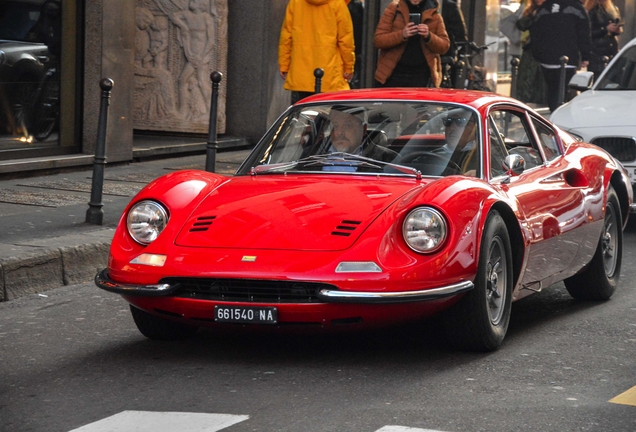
349, 135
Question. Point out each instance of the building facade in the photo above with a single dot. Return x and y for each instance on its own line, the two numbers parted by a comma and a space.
53, 54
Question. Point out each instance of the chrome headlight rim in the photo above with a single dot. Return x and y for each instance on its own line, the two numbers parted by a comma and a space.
443, 227
153, 227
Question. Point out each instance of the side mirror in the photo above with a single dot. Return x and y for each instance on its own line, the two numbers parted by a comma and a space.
514, 164
582, 81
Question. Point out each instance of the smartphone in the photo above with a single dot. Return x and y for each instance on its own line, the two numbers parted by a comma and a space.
415, 17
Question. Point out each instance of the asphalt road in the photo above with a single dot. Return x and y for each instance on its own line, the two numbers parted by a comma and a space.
74, 357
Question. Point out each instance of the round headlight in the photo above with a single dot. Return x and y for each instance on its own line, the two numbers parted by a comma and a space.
146, 220
424, 230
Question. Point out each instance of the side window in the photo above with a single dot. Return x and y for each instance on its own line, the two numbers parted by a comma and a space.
548, 140
498, 151
514, 130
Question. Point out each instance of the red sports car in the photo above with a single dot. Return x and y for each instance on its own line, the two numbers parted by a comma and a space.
372, 207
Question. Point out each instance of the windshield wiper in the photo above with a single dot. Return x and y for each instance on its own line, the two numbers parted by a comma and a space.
284, 166
334, 159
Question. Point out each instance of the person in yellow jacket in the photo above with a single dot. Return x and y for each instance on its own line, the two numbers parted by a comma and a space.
316, 34
411, 36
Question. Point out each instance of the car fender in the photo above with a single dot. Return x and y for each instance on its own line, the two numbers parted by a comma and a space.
180, 193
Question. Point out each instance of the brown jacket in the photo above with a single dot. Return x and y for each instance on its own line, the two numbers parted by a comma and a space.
388, 39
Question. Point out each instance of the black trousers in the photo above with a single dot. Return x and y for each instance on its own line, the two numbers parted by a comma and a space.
296, 96
552, 81
403, 78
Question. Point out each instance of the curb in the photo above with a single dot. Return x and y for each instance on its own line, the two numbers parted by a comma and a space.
37, 266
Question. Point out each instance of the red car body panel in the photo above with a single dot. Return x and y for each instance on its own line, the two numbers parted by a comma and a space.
290, 227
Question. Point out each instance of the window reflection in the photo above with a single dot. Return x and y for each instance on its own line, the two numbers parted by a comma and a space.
30, 48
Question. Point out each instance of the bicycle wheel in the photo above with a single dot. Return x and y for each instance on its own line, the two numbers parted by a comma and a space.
23, 97
46, 111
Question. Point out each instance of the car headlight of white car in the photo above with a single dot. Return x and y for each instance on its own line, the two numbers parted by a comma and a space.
424, 230
146, 220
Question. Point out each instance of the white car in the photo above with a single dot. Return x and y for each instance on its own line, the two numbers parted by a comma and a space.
605, 115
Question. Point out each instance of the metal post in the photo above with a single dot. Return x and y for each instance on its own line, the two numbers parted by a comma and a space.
564, 61
514, 70
318, 73
213, 145
460, 75
95, 214
606, 60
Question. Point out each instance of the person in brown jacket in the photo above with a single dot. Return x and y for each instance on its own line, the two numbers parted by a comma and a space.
411, 37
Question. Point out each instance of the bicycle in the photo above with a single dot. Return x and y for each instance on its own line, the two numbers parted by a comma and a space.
470, 76
46, 110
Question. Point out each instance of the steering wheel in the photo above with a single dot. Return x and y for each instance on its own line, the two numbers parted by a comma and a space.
416, 155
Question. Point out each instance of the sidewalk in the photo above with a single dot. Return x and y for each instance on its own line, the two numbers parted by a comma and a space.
45, 242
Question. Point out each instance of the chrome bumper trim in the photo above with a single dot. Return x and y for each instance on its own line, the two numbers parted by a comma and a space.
394, 297
632, 208
103, 281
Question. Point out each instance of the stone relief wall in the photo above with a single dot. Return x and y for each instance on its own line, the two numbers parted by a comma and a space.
178, 43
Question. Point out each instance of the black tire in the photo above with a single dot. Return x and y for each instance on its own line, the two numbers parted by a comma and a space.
598, 280
156, 328
479, 321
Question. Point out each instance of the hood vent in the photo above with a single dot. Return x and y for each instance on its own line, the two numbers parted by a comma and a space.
345, 228
202, 223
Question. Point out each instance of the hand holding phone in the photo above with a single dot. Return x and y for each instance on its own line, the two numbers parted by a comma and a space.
415, 18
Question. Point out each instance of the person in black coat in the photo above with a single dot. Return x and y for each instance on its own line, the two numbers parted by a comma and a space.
560, 28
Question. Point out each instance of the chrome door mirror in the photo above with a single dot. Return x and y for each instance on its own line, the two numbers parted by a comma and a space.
514, 164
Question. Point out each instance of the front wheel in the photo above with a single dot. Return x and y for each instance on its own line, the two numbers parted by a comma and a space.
157, 328
599, 279
479, 321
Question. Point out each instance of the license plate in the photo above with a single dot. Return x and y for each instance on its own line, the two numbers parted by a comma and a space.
246, 315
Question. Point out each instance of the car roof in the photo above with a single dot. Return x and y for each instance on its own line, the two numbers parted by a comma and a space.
475, 99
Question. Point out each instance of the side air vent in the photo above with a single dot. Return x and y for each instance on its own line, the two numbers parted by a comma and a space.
202, 223
345, 228
622, 148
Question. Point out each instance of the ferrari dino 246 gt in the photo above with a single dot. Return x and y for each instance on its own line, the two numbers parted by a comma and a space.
372, 207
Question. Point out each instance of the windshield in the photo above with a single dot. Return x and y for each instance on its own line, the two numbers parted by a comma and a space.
622, 74
393, 138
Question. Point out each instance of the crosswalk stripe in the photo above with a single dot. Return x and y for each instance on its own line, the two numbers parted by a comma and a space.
626, 398
403, 429
148, 421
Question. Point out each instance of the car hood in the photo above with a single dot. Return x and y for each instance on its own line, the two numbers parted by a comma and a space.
310, 212
607, 108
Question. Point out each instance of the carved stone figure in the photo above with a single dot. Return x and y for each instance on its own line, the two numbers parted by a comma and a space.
178, 44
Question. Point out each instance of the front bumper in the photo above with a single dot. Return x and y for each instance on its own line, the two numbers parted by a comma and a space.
103, 281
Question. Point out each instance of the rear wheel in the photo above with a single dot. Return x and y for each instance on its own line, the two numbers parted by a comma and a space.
479, 321
599, 279
157, 328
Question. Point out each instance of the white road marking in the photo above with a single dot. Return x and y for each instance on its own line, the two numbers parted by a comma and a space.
148, 421
403, 429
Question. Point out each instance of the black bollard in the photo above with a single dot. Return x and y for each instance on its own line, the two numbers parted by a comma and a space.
606, 60
564, 61
318, 73
213, 145
95, 214
514, 71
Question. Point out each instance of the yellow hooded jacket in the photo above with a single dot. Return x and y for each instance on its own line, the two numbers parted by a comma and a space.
316, 34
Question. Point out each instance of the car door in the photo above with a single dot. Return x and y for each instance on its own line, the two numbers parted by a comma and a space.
550, 203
